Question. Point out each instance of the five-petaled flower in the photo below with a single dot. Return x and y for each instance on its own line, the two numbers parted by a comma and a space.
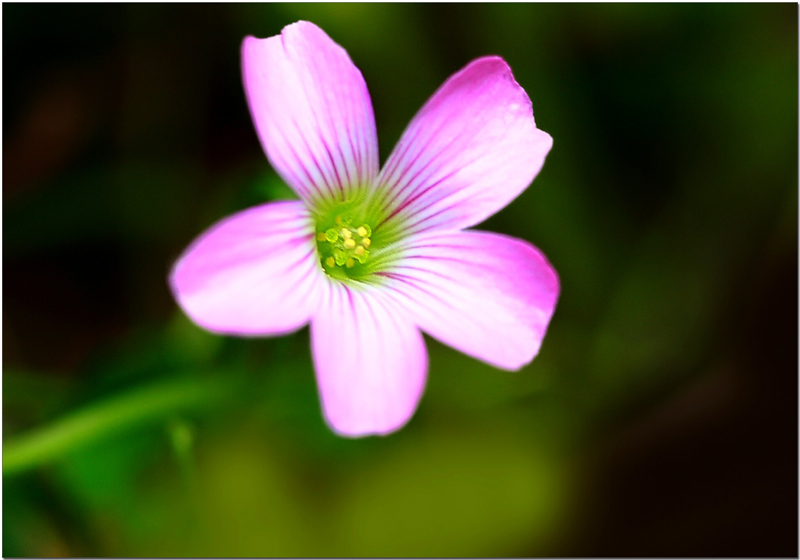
373, 257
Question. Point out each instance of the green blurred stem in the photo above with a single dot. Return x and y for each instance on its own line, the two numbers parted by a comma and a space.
140, 406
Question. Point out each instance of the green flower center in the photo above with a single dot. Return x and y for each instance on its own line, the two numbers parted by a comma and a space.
344, 245
350, 242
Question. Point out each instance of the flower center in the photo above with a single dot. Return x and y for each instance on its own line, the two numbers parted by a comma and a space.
344, 245
352, 242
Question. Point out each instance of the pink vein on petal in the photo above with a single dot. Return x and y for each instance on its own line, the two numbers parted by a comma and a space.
471, 149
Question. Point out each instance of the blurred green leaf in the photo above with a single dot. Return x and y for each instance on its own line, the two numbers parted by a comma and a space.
95, 421
454, 493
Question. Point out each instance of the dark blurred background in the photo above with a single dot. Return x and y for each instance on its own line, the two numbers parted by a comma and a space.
660, 418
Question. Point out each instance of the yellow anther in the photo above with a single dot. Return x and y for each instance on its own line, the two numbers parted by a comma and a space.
338, 220
349, 243
362, 231
330, 262
350, 262
366, 242
346, 233
359, 251
321, 236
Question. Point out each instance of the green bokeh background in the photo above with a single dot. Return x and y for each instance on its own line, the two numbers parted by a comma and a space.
659, 419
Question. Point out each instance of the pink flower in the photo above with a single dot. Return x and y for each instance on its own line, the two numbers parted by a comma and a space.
371, 257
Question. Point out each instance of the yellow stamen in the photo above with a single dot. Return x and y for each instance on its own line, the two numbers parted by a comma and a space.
349, 242
350, 263
321, 236
330, 262
346, 233
362, 231
359, 251
366, 242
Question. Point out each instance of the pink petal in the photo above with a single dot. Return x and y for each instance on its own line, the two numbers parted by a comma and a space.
312, 111
370, 361
487, 295
256, 272
470, 150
